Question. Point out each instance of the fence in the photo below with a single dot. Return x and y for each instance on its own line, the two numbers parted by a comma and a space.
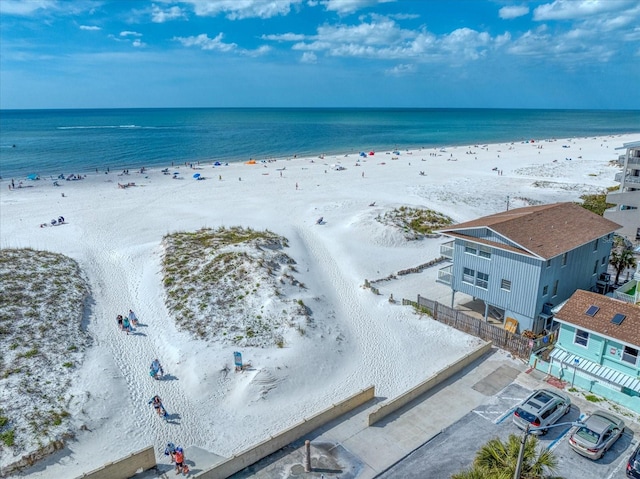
514, 343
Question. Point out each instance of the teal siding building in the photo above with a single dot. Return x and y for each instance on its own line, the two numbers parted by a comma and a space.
597, 348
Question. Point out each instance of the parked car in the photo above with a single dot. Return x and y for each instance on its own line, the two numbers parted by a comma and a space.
601, 429
633, 466
542, 408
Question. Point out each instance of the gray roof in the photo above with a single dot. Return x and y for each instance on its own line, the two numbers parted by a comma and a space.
631, 144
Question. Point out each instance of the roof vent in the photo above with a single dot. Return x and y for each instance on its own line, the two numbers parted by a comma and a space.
592, 310
618, 318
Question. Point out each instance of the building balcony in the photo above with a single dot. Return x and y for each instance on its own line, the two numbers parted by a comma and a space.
446, 250
627, 178
445, 275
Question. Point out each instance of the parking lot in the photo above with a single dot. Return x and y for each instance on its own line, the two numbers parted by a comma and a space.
454, 448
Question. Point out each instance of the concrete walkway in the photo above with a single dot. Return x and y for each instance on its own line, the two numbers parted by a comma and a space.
349, 448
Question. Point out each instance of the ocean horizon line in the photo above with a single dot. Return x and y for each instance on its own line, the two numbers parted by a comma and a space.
320, 108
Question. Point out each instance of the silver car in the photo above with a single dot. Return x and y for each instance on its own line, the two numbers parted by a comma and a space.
601, 429
542, 408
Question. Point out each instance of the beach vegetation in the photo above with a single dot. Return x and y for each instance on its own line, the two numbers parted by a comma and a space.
216, 280
42, 302
415, 223
597, 203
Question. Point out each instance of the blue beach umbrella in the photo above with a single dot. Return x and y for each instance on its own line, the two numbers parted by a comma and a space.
196, 176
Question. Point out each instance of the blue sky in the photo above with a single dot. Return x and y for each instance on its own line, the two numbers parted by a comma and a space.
320, 53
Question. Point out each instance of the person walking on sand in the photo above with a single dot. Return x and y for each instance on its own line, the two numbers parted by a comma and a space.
132, 318
158, 406
119, 321
126, 325
179, 457
170, 450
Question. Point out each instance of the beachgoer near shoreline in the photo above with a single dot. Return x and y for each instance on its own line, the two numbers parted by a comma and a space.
132, 318
119, 321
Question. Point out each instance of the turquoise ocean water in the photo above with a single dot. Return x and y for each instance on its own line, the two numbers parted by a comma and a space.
78, 141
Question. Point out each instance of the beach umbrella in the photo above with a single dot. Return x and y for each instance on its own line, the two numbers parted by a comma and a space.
196, 176
362, 153
371, 153
33, 177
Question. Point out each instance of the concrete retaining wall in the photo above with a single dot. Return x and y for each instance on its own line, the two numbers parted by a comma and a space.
286, 437
393, 405
125, 467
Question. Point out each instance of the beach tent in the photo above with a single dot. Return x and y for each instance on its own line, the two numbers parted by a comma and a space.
396, 152
33, 176
217, 163
250, 162
371, 153
363, 154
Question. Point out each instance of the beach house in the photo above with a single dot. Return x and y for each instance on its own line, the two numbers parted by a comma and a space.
520, 263
598, 347
627, 197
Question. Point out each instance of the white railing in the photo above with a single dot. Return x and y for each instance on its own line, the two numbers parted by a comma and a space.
445, 275
446, 250
622, 292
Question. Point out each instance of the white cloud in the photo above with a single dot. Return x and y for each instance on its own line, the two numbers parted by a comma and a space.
400, 70
127, 33
90, 28
203, 42
158, 15
138, 43
240, 9
26, 8
309, 57
576, 9
285, 37
507, 13
344, 7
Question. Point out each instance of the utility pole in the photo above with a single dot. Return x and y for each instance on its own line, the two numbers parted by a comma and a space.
528, 430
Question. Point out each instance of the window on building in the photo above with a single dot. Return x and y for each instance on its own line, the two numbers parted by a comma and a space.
548, 263
595, 266
555, 288
595, 245
630, 355
484, 252
505, 284
581, 338
482, 280
470, 250
564, 259
468, 275
545, 290
604, 260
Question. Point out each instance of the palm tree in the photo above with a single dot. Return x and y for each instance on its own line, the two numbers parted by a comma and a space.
498, 460
621, 259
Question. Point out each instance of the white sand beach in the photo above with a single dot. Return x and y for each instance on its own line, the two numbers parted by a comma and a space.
358, 339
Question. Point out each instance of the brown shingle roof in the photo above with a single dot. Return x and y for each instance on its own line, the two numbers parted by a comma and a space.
574, 312
545, 230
